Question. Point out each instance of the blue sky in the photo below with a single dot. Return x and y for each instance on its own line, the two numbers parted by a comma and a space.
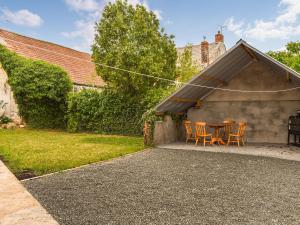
268, 24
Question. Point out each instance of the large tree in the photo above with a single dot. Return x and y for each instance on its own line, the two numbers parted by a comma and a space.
290, 56
186, 67
129, 37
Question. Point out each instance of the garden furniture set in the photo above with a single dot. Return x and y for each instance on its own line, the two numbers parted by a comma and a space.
222, 132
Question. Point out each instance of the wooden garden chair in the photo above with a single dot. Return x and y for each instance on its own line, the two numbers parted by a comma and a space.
228, 124
189, 131
239, 136
202, 134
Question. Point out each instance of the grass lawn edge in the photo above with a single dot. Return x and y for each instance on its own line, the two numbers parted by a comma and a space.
104, 162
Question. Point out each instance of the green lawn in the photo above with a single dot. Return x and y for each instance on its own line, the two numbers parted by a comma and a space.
44, 152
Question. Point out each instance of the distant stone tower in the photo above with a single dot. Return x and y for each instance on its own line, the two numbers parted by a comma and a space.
206, 53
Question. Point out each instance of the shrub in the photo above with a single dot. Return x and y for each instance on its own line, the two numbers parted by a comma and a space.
40, 89
107, 111
5, 120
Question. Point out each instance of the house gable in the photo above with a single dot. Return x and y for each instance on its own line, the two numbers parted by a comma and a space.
256, 77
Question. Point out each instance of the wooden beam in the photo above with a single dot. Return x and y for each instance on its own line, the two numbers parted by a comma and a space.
250, 53
288, 76
199, 104
185, 100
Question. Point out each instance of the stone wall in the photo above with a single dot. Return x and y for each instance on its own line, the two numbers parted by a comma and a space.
8, 106
265, 113
78, 88
215, 50
165, 131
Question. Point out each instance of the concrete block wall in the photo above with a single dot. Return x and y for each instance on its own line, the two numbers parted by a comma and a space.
165, 131
265, 113
266, 121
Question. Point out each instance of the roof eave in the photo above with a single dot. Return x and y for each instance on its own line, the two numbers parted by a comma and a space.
241, 41
238, 44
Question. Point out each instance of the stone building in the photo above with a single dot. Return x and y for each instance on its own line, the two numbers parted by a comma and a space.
244, 85
206, 53
77, 64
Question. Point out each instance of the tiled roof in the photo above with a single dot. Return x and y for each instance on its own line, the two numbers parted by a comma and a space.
79, 65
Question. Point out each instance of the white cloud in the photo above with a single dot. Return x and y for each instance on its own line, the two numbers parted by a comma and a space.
144, 3
22, 17
283, 26
158, 13
85, 31
233, 26
168, 22
138, 2
92, 10
83, 5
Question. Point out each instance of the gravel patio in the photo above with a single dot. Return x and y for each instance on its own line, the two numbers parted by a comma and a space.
165, 186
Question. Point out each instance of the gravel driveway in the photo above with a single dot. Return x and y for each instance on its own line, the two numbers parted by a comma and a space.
175, 187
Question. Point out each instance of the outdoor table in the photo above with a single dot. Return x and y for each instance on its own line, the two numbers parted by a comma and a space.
216, 137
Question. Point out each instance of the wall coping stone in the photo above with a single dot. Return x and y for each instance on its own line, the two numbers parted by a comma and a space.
17, 205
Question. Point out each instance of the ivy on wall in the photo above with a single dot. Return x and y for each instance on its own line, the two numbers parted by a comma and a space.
40, 89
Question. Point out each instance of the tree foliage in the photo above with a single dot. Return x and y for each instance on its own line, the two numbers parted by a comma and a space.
290, 56
186, 67
40, 89
130, 38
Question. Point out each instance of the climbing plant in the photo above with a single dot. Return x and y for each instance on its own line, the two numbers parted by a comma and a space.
40, 89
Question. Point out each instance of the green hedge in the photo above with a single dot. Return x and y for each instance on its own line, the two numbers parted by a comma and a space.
40, 89
106, 111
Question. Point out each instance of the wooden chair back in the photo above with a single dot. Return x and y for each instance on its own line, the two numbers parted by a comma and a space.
242, 129
228, 126
200, 129
188, 128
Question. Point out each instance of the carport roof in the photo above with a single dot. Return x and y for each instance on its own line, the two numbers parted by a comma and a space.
219, 73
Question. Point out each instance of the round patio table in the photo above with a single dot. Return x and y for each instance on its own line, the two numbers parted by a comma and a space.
216, 137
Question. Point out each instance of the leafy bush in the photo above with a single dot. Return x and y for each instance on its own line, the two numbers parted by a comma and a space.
40, 89
107, 111
5, 120
290, 56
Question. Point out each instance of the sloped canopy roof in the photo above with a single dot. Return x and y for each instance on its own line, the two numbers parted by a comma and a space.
79, 65
221, 71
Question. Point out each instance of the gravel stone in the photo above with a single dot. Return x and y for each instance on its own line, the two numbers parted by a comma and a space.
163, 186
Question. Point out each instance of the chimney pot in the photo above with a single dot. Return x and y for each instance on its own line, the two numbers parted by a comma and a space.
219, 37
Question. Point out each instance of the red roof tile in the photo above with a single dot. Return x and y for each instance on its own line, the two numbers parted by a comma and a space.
79, 65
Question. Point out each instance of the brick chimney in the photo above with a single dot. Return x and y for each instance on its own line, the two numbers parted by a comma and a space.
219, 37
204, 51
